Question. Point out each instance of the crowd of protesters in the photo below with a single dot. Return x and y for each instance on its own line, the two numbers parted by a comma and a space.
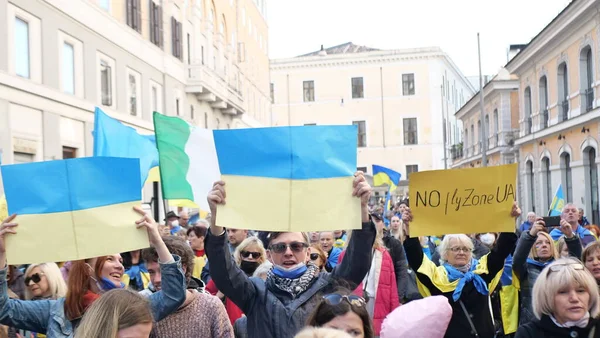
205, 279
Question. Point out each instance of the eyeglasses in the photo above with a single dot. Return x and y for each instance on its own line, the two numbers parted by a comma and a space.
246, 254
282, 247
457, 249
314, 256
335, 299
558, 267
35, 278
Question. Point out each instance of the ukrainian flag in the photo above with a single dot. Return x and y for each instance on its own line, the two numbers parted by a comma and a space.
288, 178
383, 175
558, 202
73, 209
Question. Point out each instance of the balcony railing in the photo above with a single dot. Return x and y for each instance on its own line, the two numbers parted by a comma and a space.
456, 151
563, 110
544, 118
589, 99
217, 83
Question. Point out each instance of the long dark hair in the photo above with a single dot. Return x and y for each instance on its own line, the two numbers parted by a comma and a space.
324, 313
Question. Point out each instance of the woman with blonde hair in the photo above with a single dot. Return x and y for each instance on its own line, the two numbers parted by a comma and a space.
565, 302
118, 313
535, 251
591, 260
44, 281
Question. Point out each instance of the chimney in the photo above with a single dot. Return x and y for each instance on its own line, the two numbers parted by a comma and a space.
322, 52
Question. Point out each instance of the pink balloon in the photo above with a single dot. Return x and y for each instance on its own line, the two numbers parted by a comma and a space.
427, 317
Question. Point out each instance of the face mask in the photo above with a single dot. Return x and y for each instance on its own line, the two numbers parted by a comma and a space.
292, 272
175, 223
487, 239
104, 284
249, 267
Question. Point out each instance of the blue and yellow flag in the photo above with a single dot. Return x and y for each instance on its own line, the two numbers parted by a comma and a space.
114, 139
558, 202
383, 175
73, 209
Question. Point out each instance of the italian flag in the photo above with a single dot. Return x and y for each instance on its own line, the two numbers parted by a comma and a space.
188, 159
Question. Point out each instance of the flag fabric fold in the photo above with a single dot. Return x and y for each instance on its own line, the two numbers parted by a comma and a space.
114, 139
558, 202
383, 175
73, 209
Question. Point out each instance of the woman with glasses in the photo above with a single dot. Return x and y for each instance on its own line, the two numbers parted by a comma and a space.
464, 280
279, 306
248, 256
565, 302
535, 250
345, 312
318, 256
44, 281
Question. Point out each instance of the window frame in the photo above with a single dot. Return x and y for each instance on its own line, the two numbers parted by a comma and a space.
361, 140
78, 69
311, 91
358, 86
108, 62
406, 131
406, 88
138, 92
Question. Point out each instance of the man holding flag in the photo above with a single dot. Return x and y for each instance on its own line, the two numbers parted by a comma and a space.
569, 215
381, 176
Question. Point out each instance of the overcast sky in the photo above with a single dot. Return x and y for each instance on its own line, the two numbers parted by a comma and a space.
300, 26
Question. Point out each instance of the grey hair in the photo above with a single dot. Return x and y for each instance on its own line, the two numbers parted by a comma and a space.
445, 245
203, 222
262, 269
569, 205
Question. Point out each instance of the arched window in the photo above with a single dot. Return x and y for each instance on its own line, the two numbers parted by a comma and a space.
530, 185
566, 176
591, 183
586, 79
527, 116
543, 90
563, 92
496, 125
547, 177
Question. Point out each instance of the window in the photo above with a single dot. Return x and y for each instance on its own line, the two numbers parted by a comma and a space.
408, 84
357, 88
530, 184
586, 79
133, 93
363, 169
310, 124
106, 83
487, 124
563, 92
68, 68
105, 4
191, 112
22, 56
547, 177
206, 120
362, 133
567, 178
23, 157
176, 44
527, 117
496, 124
411, 168
309, 91
155, 97
69, 152
156, 24
134, 14
543, 92
410, 131
177, 107
591, 180
272, 93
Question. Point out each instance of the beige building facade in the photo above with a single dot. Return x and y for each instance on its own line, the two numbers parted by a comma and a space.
205, 61
399, 99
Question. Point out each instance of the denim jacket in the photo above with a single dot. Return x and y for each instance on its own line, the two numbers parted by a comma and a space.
49, 315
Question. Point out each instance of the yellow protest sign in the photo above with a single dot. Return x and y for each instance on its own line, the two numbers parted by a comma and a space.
463, 200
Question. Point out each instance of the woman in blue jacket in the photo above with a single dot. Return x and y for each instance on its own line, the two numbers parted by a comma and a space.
59, 318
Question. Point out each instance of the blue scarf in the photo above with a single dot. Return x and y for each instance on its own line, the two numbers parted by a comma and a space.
506, 278
464, 278
581, 232
106, 284
135, 274
538, 263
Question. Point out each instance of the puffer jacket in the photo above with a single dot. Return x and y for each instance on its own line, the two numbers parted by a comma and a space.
528, 272
271, 312
386, 295
546, 328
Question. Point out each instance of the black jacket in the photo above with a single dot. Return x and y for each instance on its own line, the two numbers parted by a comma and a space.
476, 304
396, 251
546, 328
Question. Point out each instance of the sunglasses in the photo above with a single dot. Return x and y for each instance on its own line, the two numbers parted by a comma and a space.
246, 254
35, 278
282, 247
334, 299
314, 256
559, 267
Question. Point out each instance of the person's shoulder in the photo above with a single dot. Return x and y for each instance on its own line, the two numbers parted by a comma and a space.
527, 330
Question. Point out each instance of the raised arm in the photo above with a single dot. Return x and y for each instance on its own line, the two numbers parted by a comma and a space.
357, 260
524, 246
227, 276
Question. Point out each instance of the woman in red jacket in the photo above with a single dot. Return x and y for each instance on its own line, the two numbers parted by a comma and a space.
379, 288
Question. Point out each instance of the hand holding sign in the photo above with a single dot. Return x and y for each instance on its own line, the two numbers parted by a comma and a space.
7, 227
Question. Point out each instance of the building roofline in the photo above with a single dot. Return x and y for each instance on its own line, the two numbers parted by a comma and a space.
488, 89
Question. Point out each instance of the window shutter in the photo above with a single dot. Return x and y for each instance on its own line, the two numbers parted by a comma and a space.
129, 11
137, 15
151, 14
173, 37
180, 40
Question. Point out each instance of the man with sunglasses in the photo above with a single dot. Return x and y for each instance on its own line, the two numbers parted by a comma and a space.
279, 306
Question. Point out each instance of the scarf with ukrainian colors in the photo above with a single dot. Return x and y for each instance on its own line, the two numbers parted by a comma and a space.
295, 286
